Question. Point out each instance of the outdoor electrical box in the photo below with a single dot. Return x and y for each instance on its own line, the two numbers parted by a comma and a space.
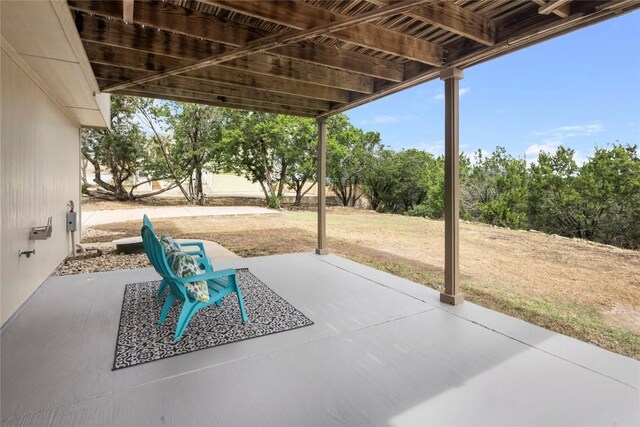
71, 221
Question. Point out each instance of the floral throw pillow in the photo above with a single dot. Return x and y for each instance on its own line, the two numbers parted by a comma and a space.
169, 244
184, 265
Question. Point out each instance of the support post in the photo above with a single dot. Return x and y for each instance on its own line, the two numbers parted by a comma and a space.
452, 292
322, 179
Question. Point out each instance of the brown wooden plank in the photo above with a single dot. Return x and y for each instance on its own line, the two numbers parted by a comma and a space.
127, 11
561, 8
177, 19
343, 60
259, 63
392, 42
147, 64
457, 20
302, 16
275, 40
161, 92
136, 60
317, 54
112, 32
209, 90
453, 18
223, 104
271, 65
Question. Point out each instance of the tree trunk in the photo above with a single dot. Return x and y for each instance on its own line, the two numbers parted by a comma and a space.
165, 155
199, 189
283, 172
83, 171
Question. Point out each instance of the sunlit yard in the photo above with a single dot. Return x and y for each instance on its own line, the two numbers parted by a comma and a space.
585, 290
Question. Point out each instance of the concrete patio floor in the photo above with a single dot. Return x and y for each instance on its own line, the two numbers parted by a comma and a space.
382, 351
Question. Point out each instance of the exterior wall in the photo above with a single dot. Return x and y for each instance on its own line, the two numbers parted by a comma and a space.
231, 185
39, 174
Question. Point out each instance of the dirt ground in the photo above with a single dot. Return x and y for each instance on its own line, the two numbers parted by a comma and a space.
582, 289
91, 204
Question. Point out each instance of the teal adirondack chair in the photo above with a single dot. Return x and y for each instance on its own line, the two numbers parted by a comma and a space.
201, 256
220, 283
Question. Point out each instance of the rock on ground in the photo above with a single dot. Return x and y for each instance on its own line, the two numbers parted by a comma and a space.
110, 260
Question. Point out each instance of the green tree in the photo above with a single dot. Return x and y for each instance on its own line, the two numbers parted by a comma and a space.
123, 150
350, 152
494, 190
598, 201
379, 181
399, 181
272, 150
301, 147
197, 135
154, 115
609, 185
433, 204
553, 197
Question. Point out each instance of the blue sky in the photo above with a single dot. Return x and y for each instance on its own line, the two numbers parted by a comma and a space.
579, 90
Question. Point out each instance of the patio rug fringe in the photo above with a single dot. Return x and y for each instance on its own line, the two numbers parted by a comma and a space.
141, 339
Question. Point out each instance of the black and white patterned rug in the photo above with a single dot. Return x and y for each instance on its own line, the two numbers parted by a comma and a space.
141, 339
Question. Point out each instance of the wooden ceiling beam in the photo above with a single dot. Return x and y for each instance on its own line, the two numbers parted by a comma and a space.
119, 36
111, 71
214, 91
303, 16
453, 18
351, 62
127, 11
285, 68
175, 21
200, 97
146, 63
561, 8
224, 104
458, 20
276, 40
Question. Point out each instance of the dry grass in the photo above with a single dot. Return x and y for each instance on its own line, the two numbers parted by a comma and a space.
585, 290
92, 204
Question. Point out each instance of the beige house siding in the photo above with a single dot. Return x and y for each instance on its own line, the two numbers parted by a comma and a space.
39, 174
231, 185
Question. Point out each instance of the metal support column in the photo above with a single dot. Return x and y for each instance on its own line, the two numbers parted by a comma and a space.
452, 292
322, 178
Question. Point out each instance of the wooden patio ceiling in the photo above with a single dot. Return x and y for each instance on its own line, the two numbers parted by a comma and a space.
309, 58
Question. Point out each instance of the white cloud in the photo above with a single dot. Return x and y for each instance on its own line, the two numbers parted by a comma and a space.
564, 132
558, 136
546, 146
389, 119
462, 92
434, 147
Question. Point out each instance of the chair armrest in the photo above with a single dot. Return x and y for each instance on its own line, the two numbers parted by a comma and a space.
208, 276
203, 261
198, 244
199, 254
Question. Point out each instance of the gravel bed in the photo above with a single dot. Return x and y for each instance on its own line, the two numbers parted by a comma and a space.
108, 261
88, 232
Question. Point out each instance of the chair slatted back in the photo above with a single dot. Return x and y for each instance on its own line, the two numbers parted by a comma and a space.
158, 258
147, 246
146, 221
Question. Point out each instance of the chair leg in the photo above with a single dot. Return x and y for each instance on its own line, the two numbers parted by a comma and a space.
219, 303
243, 312
163, 287
188, 310
166, 307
